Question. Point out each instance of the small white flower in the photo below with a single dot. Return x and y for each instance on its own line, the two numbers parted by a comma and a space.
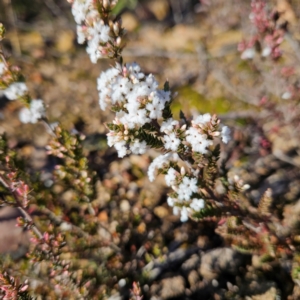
81, 34
187, 187
171, 177
159, 162
121, 148
170, 201
248, 54
183, 194
225, 134
155, 112
183, 211
176, 210
286, 95
184, 214
190, 184
25, 115
80, 9
197, 204
156, 107
198, 141
201, 146
171, 141
165, 96
203, 119
151, 83
138, 147
15, 90
32, 114
140, 117
266, 51
168, 125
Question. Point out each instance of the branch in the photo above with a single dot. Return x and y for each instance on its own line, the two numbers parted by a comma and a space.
19, 205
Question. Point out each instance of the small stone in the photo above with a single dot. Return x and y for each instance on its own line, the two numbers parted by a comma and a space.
219, 260
161, 212
141, 228
125, 206
193, 279
172, 287
103, 217
64, 43
122, 282
270, 294
191, 263
129, 21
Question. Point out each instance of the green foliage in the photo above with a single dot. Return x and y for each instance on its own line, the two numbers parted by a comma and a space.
73, 168
112, 127
207, 212
147, 134
211, 169
25, 296
122, 4
3, 147
167, 112
182, 116
265, 203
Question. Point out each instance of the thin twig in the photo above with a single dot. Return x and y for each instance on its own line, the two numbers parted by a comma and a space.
281, 156
222, 78
23, 211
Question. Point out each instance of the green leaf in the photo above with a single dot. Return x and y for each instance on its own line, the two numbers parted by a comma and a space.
182, 116
166, 86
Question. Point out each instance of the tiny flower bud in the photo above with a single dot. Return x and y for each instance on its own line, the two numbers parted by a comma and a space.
175, 188
113, 3
182, 171
245, 187
118, 41
24, 288
106, 4
183, 127
217, 133
116, 28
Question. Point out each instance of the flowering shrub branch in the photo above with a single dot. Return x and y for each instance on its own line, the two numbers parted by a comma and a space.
268, 35
96, 27
201, 188
11, 289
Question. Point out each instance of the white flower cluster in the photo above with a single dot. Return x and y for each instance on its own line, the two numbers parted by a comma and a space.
195, 136
15, 90
195, 139
160, 162
183, 185
90, 28
32, 114
137, 100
